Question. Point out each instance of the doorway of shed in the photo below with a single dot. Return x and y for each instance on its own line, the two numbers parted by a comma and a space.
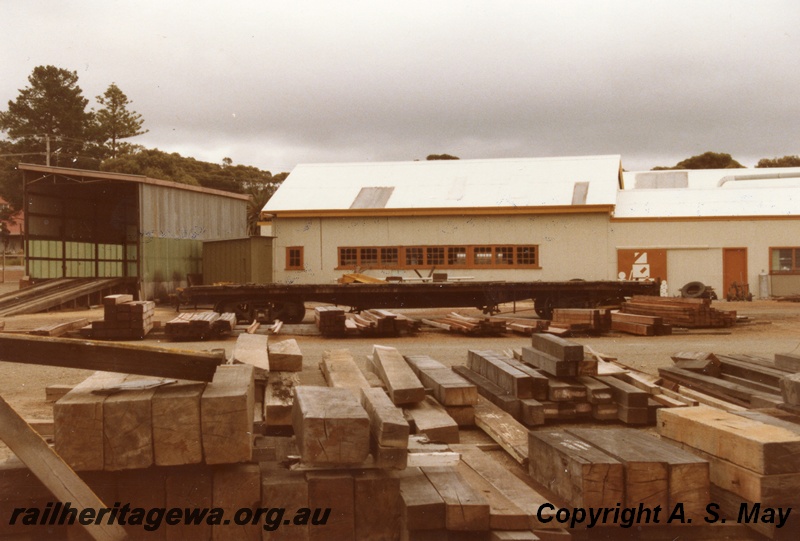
734, 268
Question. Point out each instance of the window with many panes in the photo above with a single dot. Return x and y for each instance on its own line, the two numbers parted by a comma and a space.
348, 257
389, 257
411, 257
294, 258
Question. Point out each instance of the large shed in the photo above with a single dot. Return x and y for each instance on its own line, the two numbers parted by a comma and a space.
507, 219
94, 224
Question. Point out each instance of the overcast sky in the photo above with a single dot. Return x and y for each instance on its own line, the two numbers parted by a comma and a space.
274, 84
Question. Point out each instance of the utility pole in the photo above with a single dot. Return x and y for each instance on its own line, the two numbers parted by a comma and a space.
47, 143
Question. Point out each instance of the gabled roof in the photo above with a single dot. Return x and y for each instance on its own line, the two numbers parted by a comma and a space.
710, 193
569, 184
85, 175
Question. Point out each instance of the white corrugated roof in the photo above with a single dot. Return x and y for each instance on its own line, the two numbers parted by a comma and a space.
710, 193
523, 182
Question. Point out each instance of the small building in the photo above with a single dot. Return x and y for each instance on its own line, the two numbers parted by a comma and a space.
82, 224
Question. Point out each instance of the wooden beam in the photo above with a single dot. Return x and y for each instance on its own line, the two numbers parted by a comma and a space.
123, 358
226, 415
53, 472
252, 349
403, 385
504, 429
330, 425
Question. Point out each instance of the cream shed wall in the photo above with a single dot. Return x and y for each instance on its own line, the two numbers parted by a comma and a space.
695, 248
570, 245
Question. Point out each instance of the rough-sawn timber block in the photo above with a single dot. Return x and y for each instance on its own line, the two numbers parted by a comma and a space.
754, 445
388, 426
226, 415
285, 356
579, 472
403, 385
330, 425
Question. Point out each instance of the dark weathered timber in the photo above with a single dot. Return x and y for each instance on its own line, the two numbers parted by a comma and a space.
123, 358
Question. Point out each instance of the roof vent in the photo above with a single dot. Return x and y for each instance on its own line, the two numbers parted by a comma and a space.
372, 197
579, 193
658, 180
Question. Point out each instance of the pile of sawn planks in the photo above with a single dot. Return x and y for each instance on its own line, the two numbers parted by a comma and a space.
124, 319
333, 321
735, 381
200, 325
472, 326
555, 380
678, 312
592, 320
640, 325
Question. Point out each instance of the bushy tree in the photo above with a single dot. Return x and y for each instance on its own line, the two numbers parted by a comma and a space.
786, 161
707, 160
432, 157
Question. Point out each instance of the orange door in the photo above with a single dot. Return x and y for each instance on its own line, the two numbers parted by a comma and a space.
734, 268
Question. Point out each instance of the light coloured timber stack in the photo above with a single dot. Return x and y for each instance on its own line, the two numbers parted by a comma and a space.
754, 462
678, 312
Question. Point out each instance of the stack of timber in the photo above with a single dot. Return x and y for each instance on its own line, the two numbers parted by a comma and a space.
456, 394
754, 461
427, 416
555, 380
527, 326
605, 468
58, 329
639, 325
679, 312
380, 323
118, 422
200, 325
124, 319
732, 381
201, 440
472, 326
591, 320
330, 320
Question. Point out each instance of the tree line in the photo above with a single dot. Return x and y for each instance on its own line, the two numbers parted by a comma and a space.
49, 124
